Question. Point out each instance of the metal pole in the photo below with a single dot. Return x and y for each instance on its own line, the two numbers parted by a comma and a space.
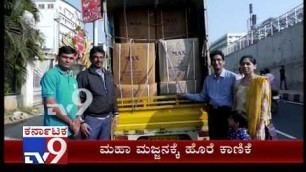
95, 33
278, 25
295, 16
252, 37
287, 22
251, 12
205, 42
58, 32
271, 24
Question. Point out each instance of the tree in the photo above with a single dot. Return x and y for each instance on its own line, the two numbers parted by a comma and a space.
22, 41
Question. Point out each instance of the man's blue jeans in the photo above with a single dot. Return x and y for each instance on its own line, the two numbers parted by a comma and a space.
100, 127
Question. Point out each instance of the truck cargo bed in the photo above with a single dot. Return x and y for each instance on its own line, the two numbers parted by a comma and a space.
159, 114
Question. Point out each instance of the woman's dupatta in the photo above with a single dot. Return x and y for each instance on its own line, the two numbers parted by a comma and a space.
254, 96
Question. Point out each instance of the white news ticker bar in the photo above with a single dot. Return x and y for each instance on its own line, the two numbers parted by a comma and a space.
45, 131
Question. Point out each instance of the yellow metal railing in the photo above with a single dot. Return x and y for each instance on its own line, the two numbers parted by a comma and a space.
154, 103
160, 112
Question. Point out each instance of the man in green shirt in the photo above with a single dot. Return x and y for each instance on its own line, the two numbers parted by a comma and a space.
58, 85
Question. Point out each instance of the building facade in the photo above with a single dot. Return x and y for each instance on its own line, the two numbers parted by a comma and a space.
57, 18
226, 40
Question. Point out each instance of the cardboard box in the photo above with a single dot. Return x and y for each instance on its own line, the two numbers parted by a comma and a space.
139, 26
134, 63
132, 91
174, 87
179, 60
172, 24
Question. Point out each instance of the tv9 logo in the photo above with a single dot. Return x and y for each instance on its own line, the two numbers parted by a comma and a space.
45, 144
75, 99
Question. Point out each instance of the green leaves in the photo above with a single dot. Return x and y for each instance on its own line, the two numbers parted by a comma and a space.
22, 41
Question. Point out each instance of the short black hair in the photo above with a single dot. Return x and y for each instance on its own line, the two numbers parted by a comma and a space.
216, 52
250, 57
66, 50
96, 49
240, 117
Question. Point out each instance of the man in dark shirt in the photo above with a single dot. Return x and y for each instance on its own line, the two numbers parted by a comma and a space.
282, 78
99, 115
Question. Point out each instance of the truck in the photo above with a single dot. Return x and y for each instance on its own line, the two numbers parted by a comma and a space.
162, 116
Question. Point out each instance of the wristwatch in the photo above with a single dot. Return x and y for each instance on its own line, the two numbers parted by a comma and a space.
81, 119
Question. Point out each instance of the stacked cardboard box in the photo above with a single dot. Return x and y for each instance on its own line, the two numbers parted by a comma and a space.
134, 63
139, 90
171, 24
134, 69
134, 56
172, 87
148, 25
136, 24
179, 66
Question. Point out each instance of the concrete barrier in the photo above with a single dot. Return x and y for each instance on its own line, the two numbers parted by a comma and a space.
292, 95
